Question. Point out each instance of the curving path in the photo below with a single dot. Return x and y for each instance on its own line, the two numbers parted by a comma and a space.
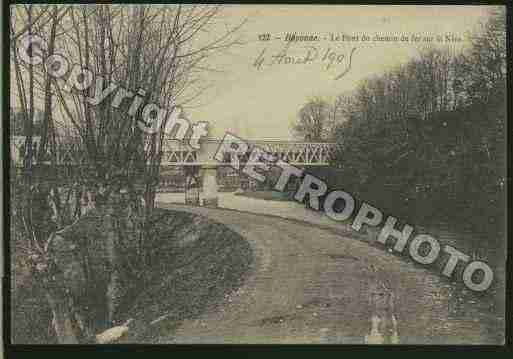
310, 285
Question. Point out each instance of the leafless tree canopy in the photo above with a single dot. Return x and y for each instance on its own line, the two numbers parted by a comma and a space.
162, 50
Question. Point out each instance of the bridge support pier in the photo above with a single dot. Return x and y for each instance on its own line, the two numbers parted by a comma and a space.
210, 194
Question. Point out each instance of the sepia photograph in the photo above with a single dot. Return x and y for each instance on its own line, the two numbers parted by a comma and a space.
255, 174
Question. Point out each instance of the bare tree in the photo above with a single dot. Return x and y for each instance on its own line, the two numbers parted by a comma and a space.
313, 120
159, 53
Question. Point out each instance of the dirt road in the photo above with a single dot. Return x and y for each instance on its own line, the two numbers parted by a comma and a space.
309, 285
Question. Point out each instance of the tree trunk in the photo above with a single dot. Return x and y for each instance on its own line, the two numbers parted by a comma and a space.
64, 329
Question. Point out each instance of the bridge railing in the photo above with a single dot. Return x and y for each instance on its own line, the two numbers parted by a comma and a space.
176, 153
298, 153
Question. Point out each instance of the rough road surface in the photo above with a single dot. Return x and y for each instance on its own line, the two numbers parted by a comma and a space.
309, 285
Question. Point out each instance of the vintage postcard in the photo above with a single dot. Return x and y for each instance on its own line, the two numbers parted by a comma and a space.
256, 174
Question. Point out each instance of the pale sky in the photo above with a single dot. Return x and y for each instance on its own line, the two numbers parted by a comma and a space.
260, 104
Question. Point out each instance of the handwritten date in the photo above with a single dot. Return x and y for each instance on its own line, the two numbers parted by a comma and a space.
328, 58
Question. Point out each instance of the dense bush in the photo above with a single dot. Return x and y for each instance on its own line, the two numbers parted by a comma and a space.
426, 140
